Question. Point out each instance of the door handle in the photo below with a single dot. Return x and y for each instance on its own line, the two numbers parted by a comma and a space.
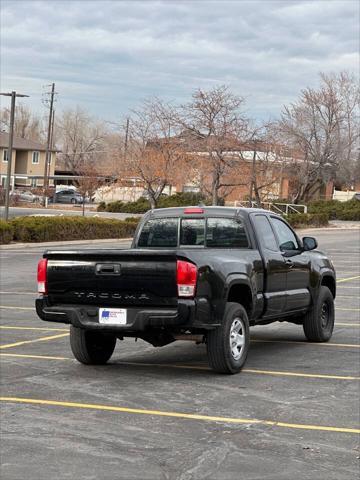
289, 262
107, 269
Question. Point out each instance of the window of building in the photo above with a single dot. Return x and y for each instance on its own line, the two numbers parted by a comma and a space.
35, 157
5, 156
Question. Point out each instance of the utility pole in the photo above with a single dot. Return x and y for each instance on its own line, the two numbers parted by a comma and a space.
127, 136
48, 145
13, 96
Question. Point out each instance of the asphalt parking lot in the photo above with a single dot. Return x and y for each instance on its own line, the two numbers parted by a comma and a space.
293, 413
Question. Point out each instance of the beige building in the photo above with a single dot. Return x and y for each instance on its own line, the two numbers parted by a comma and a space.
28, 162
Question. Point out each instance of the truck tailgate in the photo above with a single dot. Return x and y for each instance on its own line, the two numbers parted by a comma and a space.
112, 277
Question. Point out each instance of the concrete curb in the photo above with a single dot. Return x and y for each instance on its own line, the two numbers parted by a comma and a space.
14, 246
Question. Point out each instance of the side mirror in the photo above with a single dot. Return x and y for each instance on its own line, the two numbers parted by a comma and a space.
309, 243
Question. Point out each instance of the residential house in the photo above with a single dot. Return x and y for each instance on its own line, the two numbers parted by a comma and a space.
28, 162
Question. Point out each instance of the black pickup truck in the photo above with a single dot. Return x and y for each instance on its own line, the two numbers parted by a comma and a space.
198, 273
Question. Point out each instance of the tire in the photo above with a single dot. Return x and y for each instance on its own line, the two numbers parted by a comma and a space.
73, 201
222, 358
91, 347
319, 322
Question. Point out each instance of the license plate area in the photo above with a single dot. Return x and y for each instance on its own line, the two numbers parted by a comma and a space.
113, 316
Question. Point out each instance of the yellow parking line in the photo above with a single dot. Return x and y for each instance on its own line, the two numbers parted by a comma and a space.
314, 344
348, 309
40, 357
341, 280
42, 339
197, 367
6, 327
188, 416
348, 324
10, 307
18, 293
295, 374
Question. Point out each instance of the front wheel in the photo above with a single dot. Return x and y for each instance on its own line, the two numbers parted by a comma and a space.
91, 347
319, 321
228, 345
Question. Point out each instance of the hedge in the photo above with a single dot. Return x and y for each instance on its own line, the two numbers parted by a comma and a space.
47, 229
308, 219
337, 210
6, 232
142, 205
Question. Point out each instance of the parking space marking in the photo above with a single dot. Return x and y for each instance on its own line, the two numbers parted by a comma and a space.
347, 296
187, 416
39, 357
10, 307
51, 329
348, 324
348, 309
42, 339
198, 367
311, 344
341, 280
18, 293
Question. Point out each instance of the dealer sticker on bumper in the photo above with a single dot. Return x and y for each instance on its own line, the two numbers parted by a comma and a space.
112, 316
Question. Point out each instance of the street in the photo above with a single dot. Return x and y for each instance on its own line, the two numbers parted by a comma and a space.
24, 211
160, 413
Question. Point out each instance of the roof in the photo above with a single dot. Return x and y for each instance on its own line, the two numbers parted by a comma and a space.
21, 143
215, 210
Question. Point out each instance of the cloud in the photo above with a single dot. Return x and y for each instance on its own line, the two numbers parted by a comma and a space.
109, 55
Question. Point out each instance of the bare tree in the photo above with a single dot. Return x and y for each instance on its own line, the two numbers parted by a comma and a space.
154, 154
213, 125
27, 124
80, 138
88, 182
321, 128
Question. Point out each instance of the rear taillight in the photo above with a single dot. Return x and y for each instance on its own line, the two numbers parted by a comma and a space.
42, 276
186, 276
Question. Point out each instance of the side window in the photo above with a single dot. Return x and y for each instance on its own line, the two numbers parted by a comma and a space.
192, 231
265, 233
159, 232
226, 233
286, 236
5, 156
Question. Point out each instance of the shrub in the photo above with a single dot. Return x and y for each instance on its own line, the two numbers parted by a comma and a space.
47, 229
142, 205
337, 210
308, 219
6, 232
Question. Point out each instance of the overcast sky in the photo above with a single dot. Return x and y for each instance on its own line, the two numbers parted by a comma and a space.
109, 55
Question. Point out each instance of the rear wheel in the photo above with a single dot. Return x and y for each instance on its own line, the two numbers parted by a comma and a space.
91, 347
228, 345
319, 322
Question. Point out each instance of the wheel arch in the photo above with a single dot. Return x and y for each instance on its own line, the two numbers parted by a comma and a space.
328, 280
241, 292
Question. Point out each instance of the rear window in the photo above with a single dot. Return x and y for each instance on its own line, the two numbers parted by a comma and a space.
192, 231
226, 233
159, 232
197, 232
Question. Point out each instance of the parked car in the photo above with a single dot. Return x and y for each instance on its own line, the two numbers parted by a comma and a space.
197, 273
67, 196
25, 196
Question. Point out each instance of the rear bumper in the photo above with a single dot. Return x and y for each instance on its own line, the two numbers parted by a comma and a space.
186, 315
